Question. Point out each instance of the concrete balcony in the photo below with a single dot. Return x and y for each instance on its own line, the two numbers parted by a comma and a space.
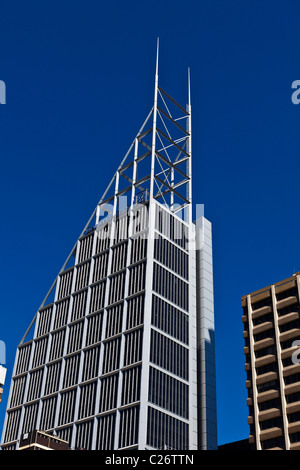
261, 311
290, 334
268, 395
268, 377
293, 407
269, 414
275, 448
264, 360
294, 427
288, 318
295, 446
248, 384
286, 302
286, 353
291, 370
262, 327
270, 433
292, 388
264, 343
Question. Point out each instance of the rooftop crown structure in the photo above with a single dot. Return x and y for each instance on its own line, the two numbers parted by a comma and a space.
122, 353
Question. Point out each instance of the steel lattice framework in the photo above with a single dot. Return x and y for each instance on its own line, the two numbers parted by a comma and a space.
157, 165
115, 346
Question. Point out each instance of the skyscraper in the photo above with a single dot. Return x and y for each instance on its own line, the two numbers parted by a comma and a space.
271, 318
122, 348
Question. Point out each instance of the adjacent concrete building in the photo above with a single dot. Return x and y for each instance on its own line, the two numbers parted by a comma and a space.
38, 440
272, 350
121, 354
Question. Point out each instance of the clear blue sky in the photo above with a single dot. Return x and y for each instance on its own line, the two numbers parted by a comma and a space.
80, 79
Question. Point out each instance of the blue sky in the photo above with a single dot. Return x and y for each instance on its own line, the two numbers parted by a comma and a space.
80, 77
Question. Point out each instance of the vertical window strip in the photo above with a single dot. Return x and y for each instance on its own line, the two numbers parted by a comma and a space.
61, 314
91, 363
133, 347
67, 406
139, 219
13, 420
48, 413
138, 249
129, 421
135, 311
131, 385
44, 321
84, 433
171, 256
57, 344
170, 286
172, 228
169, 319
119, 257
117, 287
85, 250
65, 433
18, 390
82, 276
40, 349
65, 284
94, 329
121, 230
52, 378
23, 358
71, 371
87, 400
35, 383
30, 417
137, 278
169, 393
103, 238
111, 357
79, 304
165, 431
100, 267
114, 320
108, 393
169, 355
106, 432
97, 297
75, 337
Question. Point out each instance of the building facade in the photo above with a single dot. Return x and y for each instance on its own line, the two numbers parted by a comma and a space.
121, 352
39, 440
272, 341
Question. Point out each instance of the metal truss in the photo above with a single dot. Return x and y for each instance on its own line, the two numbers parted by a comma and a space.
156, 166
158, 162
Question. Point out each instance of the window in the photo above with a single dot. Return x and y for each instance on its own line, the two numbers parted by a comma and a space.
169, 355
166, 431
